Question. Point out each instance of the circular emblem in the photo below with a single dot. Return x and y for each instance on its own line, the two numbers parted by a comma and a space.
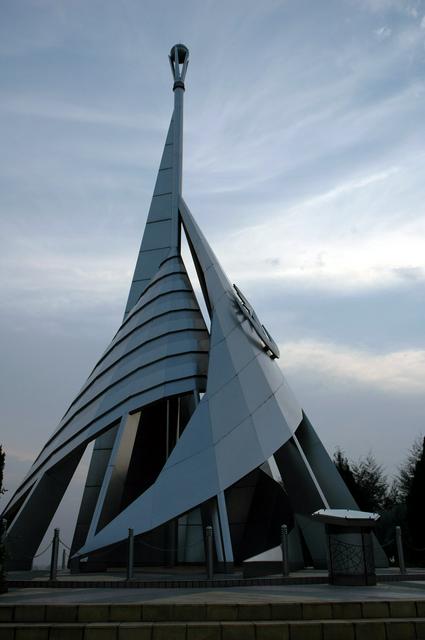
261, 331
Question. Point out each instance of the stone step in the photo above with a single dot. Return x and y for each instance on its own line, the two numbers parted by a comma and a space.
376, 629
194, 612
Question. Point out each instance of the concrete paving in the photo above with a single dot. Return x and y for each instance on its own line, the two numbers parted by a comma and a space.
408, 590
184, 573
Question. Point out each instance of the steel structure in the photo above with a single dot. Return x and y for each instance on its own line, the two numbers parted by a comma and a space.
193, 425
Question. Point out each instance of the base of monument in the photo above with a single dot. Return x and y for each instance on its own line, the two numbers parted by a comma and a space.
224, 567
76, 566
256, 569
353, 580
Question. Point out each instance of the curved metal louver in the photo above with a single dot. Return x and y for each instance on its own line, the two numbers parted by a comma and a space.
162, 343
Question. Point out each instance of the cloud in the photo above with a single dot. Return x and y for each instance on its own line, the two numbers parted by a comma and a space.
404, 7
382, 33
52, 283
20, 455
396, 372
50, 108
346, 237
411, 274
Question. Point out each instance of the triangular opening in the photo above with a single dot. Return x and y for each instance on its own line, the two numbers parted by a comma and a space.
192, 272
66, 516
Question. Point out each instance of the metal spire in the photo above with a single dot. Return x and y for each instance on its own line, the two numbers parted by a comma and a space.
162, 233
179, 59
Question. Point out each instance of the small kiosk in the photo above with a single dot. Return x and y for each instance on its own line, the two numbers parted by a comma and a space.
350, 545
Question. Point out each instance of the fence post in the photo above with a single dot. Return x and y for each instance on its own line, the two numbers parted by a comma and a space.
400, 552
284, 545
54, 556
210, 565
63, 559
3, 534
130, 557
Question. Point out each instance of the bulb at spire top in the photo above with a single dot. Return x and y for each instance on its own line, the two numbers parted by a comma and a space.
179, 59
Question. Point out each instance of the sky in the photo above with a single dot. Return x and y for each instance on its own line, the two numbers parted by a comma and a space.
304, 163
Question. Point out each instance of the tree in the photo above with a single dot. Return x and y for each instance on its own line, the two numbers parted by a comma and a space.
343, 465
407, 469
372, 483
415, 509
2, 548
2, 459
365, 480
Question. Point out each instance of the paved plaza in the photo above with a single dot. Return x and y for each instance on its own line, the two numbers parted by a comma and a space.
409, 590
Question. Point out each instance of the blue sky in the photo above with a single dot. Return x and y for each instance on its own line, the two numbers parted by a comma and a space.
304, 165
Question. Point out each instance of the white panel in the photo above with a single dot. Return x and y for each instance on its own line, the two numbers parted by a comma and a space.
185, 486
254, 385
160, 208
271, 427
170, 134
227, 409
196, 436
241, 350
272, 371
225, 316
221, 370
289, 406
238, 454
167, 157
157, 236
217, 286
164, 182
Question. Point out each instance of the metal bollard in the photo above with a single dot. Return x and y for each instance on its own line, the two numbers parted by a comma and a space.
3, 530
400, 551
3, 535
54, 556
210, 563
63, 559
130, 557
285, 554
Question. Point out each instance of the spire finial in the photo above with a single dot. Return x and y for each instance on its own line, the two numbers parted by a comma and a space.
179, 59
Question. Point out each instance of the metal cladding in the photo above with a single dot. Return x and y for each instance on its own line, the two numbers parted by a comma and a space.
191, 425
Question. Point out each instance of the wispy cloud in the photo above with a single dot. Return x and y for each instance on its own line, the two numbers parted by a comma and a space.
53, 283
397, 372
382, 33
330, 241
51, 108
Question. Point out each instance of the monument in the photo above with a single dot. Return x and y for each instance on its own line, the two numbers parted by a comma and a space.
193, 421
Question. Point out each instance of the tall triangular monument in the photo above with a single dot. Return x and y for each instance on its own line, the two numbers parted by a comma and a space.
193, 425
